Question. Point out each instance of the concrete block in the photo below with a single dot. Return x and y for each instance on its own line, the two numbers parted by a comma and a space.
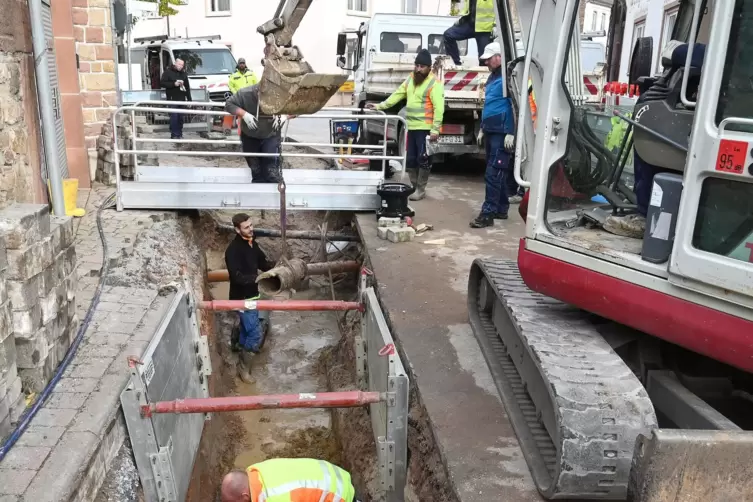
382, 232
24, 224
61, 228
23, 264
3, 254
24, 294
26, 457
389, 222
6, 322
50, 305
15, 481
54, 417
104, 142
27, 322
402, 234
55, 329
17, 409
3, 290
8, 356
69, 261
51, 276
35, 379
31, 353
37, 435
11, 387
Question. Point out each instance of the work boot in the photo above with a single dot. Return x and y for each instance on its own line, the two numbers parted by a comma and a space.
515, 199
412, 176
499, 216
273, 176
423, 179
244, 367
632, 225
482, 221
257, 176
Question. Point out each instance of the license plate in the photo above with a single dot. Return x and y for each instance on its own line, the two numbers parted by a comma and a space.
451, 138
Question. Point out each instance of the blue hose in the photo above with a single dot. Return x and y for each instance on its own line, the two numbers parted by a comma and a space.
30, 413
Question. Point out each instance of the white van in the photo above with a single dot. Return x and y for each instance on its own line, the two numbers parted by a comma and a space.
208, 62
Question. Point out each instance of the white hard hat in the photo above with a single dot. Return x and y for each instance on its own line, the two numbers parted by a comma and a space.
492, 49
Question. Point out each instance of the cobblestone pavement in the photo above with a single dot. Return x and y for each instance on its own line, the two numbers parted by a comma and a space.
66, 449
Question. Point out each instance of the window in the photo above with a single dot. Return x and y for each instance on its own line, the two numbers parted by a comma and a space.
668, 25
736, 92
638, 30
436, 45
410, 6
593, 22
603, 22
399, 42
724, 225
219, 7
206, 61
358, 5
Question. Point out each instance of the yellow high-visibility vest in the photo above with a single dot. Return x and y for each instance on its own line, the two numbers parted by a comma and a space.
424, 103
240, 80
298, 480
484, 15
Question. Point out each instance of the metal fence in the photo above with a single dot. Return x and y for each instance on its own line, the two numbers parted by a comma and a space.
194, 183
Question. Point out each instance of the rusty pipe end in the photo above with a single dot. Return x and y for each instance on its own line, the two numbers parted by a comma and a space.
146, 411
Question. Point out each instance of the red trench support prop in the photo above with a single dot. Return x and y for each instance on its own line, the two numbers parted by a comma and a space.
348, 399
282, 306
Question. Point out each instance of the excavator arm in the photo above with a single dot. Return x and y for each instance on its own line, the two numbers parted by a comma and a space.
289, 85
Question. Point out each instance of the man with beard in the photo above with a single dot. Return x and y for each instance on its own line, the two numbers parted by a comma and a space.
244, 260
242, 78
498, 127
424, 97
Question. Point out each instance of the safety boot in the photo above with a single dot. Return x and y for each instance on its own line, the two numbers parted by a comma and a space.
244, 367
412, 176
423, 179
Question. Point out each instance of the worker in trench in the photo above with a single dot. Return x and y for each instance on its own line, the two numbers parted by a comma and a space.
244, 259
423, 94
498, 134
290, 480
258, 134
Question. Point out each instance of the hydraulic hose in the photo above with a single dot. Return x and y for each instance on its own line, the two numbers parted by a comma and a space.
30, 413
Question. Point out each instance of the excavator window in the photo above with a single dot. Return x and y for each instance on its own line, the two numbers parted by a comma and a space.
736, 93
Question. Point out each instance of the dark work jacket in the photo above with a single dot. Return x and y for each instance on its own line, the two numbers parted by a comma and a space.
169, 78
243, 265
497, 116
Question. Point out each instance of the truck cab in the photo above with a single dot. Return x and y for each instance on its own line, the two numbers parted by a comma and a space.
208, 62
381, 54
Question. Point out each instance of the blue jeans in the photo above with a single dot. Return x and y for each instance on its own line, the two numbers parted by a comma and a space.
644, 181
497, 176
251, 331
267, 165
465, 31
416, 148
176, 125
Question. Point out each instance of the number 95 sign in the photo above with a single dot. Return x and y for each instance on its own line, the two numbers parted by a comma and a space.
731, 157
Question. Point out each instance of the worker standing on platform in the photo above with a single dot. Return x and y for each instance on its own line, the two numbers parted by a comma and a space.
290, 480
244, 259
498, 129
424, 96
258, 135
177, 88
476, 21
242, 78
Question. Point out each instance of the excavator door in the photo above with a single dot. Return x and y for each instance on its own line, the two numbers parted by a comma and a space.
713, 249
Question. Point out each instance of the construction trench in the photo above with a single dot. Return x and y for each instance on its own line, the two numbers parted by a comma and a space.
305, 352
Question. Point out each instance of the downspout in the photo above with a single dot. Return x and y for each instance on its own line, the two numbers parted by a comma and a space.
44, 95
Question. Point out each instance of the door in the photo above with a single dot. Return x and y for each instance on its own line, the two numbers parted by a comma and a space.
714, 239
57, 144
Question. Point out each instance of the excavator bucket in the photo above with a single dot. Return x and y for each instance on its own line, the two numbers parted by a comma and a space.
292, 88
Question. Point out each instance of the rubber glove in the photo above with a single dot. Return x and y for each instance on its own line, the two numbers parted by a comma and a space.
509, 142
250, 120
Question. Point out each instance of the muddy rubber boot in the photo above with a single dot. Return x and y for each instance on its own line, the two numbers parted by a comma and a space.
423, 179
632, 225
412, 176
244, 367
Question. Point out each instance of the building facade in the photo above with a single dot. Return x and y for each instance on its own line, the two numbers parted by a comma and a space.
648, 18
236, 22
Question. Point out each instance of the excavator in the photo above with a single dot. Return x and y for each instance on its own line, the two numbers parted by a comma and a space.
289, 85
625, 365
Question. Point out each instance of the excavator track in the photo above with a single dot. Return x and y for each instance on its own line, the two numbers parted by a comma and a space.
575, 406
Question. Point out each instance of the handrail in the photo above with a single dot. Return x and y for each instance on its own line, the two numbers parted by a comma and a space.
523, 98
689, 56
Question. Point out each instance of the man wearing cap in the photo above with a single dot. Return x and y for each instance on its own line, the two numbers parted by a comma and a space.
498, 129
476, 21
424, 96
243, 77
289, 479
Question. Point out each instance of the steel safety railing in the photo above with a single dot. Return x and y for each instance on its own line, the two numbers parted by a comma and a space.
138, 140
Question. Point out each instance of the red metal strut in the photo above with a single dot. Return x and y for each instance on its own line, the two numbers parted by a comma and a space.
286, 305
348, 399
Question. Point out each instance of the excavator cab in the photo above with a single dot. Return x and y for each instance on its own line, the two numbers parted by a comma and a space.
289, 85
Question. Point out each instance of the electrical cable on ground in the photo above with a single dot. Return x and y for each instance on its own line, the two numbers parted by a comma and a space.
30, 413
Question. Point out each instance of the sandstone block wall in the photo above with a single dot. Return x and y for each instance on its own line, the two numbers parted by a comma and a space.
38, 318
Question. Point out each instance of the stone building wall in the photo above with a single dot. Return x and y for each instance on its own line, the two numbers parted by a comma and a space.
92, 28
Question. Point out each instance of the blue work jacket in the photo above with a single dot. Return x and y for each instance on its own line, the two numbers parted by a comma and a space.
498, 116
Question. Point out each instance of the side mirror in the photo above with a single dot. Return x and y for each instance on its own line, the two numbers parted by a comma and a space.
342, 42
341, 62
